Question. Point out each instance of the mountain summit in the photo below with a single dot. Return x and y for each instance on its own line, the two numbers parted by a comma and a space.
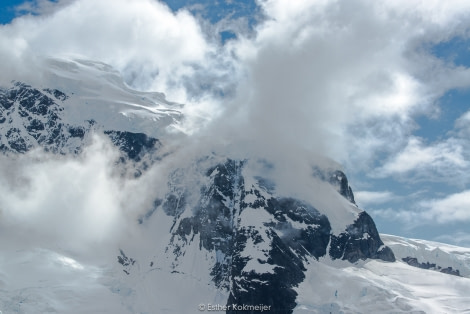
217, 233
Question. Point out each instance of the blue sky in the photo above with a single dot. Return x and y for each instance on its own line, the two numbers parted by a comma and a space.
7, 10
390, 103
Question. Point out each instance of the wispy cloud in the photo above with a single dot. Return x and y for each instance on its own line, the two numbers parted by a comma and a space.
442, 161
78, 204
41, 7
452, 208
74, 202
364, 198
459, 238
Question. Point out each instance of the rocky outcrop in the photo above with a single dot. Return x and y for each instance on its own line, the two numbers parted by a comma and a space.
360, 241
413, 261
261, 261
32, 118
133, 145
339, 180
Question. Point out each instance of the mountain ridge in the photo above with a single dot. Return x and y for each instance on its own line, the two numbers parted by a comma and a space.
223, 225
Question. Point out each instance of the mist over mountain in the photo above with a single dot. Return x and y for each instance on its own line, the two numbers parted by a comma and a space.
109, 203
184, 156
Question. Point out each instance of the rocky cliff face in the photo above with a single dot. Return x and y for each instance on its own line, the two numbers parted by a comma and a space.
263, 242
338, 179
30, 117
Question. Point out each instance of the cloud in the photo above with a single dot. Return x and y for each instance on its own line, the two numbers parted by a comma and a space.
78, 204
342, 79
462, 126
151, 46
459, 238
41, 7
364, 198
407, 216
452, 208
443, 161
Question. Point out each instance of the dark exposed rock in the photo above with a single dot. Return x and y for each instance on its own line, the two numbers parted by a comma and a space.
312, 240
450, 271
413, 261
174, 204
339, 179
32, 118
15, 141
336, 178
134, 145
57, 94
360, 241
125, 261
273, 289
77, 131
295, 234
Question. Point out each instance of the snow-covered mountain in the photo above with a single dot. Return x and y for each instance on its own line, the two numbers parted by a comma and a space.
83, 92
217, 233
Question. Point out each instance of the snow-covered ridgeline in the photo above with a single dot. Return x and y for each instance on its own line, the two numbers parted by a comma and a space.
441, 254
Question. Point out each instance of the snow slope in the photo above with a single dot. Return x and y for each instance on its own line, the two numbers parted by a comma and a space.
441, 254
47, 281
381, 287
98, 92
374, 286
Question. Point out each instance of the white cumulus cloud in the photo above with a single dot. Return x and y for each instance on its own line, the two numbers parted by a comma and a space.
443, 161
452, 208
364, 198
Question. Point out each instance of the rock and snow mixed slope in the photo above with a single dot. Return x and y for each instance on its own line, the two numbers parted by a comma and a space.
59, 120
254, 244
210, 230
